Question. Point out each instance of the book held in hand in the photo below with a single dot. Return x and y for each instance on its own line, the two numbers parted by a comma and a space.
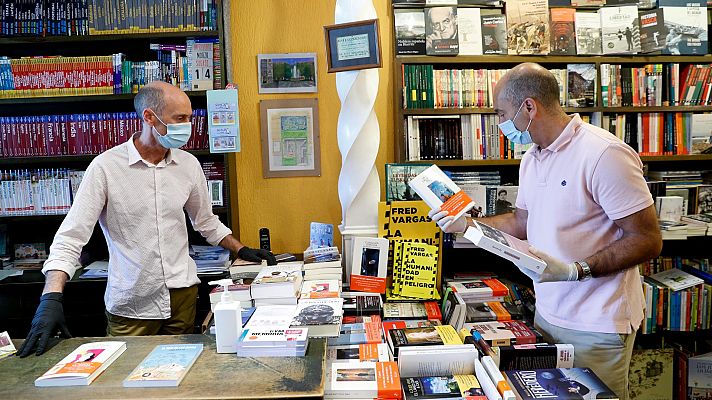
439, 191
165, 365
83, 365
505, 246
7, 348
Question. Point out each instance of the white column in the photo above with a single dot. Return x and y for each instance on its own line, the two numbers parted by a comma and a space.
358, 136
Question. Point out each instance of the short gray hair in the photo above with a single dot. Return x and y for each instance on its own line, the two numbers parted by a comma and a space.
531, 80
151, 97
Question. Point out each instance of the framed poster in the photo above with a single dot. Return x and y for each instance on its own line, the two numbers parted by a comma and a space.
352, 46
290, 138
287, 73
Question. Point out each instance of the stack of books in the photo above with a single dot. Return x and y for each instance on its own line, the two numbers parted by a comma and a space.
323, 317
322, 263
277, 285
210, 259
265, 342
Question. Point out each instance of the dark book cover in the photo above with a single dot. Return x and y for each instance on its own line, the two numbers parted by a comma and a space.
560, 383
441, 31
652, 30
410, 31
494, 34
479, 312
559, 3
529, 356
563, 37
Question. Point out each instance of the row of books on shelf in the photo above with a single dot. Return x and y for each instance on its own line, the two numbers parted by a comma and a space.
677, 300
669, 84
101, 17
193, 66
51, 191
81, 134
661, 263
531, 28
478, 137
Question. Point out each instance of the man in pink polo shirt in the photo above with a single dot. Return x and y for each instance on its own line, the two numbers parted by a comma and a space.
584, 207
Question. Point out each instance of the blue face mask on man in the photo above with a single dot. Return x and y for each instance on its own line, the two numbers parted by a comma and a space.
513, 134
176, 136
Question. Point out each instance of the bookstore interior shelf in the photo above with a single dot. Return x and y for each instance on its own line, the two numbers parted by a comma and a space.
489, 110
505, 162
82, 98
154, 36
84, 158
549, 59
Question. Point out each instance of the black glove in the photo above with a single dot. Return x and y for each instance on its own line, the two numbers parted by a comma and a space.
256, 255
48, 318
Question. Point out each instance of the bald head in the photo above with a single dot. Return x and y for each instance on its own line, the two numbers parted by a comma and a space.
158, 96
528, 80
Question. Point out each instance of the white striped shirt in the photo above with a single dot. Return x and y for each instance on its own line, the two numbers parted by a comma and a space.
139, 207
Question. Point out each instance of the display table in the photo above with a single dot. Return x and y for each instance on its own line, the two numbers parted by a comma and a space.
213, 376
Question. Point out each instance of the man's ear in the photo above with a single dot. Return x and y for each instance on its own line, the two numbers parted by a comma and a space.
531, 106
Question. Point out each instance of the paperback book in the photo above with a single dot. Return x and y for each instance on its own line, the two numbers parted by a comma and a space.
83, 365
563, 37
443, 387
581, 85
321, 235
369, 265
687, 30
505, 246
676, 279
494, 33
441, 31
652, 30
7, 348
165, 365
321, 316
373, 352
437, 360
363, 380
620, 30
410, 31
469, 31
397, 178
439, 191
435, 335
560, 383
528, 29
358, 303
588, 33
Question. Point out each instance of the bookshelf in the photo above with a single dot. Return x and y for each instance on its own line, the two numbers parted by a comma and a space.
508, 168
19, 295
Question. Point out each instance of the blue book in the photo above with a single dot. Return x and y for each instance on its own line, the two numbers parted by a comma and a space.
166, 365
559, 383
321, 235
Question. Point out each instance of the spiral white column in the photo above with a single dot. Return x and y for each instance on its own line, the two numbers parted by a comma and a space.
358, 136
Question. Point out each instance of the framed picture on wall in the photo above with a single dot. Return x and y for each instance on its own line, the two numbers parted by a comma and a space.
287, 73
352, 46
290, 138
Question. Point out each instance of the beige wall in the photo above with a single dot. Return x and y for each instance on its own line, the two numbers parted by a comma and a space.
287, 205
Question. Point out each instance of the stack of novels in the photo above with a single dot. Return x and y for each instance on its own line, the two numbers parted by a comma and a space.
320, 289
330, 270
698, 223
210, 259
271, 317
238, 291
366, 332
480, 290
277, 284
265, 342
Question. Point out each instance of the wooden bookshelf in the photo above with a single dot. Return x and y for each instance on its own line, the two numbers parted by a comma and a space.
81, 98
515, 162
153, 36
547, 59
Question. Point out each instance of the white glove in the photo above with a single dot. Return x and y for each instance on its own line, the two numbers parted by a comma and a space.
555, 271
448, 223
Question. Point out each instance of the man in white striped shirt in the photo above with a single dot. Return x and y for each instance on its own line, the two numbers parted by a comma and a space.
138, 191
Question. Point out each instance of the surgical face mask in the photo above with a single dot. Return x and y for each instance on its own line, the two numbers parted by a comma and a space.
513, 134
176, 136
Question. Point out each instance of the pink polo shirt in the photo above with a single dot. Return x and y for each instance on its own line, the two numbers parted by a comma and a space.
573, 190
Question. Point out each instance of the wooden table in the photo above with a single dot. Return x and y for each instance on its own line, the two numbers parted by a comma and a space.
213, 376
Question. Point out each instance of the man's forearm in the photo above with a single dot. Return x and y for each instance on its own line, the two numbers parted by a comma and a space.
623, 254
229, 242
54, 281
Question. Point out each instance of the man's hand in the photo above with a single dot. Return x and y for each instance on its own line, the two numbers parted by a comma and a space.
446, 222
48, 318
256, 255
555, 271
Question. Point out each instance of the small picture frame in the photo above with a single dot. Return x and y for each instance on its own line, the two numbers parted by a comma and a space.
353, 46
287, 73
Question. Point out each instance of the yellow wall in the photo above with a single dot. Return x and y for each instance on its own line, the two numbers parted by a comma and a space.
287, 205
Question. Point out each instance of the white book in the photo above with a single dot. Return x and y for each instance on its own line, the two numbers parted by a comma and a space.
588, 33
620, 30
677, 279
669, 208
277, 281
346, 380
469, 31
504, 245
267, 337
354, 353
437, 360
83, 365
439, 191
369, 265
272, 317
